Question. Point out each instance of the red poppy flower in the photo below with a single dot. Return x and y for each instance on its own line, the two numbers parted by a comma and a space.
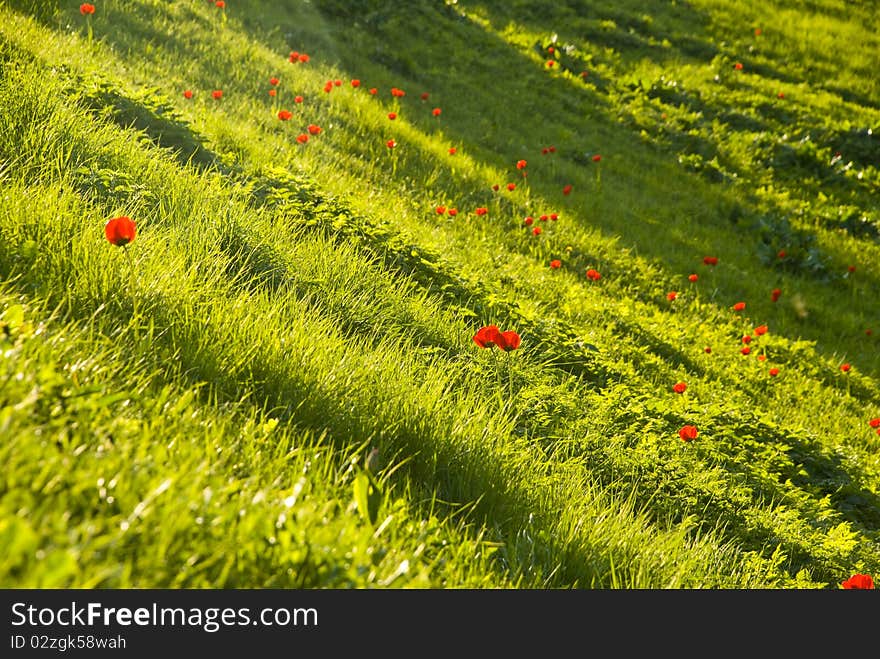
554, 216
851, 268
869, 332
220, 4
544, 218
528, 221
120, 230
452, 150
511, 186
86, 9
593, 275
521, 164
302, 139
679, 387
274, 81
757, 32
774, 372
747, 339
294, 56
391, 144
545, 151
745, 350
566, 190
436, 112
188, 94
874, 423
762, 358
761, 330
440, 210
453, 212
510, 341
774, 294
217, 94
555, 264
738, 66
552, 149
355, 83
337, 83
551, 49
597, 158
845, 368
392, 116
272, 92
374, 91
314, 129
671, 295
781, 254
303, 58
710, 260
692, 278
707, 350
496, 187
424, 96
688, 433
536, 231
397, 93
285, 115
584, 74
859, 582
780, 95
488, 336
550, 63
739, 306
297, 99
482, 210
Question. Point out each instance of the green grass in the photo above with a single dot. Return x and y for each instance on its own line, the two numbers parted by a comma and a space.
197, 408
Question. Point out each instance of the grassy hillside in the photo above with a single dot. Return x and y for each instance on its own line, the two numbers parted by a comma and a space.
275, 383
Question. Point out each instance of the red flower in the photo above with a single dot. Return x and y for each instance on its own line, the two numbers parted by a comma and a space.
554, 216
188, 94
220, 4
285, 115
397, 93
774, 372
671, 295
294, 56
303, 58
757, 32
392, 116
552, 149
217, 94
597, 158
86, 9
739, 306
762, 358
761, 330
274, 81
528, 221
851, 268
482, 210
679, 387
781, 254
859, 582
774, 294
688, 433
745, 350
593, 275
738, 66
707, 350
692, 278
521, 164
424, 96
355, 83
780, 95
440, 210
496, 187
545, 151
453, 212
845, 368
314, 129
536, 231
511, 186
710, 260
869, 332
452, 150
391, 144
302, 139
566, 190
120, 230
874, 423
490, 335
436, 112
544, 218
337, 83
297, 99
747, 339
374, 91
272, 92
555, 264
550, 63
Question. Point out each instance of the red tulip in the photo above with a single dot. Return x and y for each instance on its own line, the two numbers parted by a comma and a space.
671, 295
314, 129
302, 139
679, 387
566, 190
688, 433
188, 94
392, 116
436, 112
593, 275
217, 94
845, 368
774, 294
274, 81
285, 115
739, 306
86, 9
120, 230
555, 264
774, 372
710, 260
859, 582
692, 278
